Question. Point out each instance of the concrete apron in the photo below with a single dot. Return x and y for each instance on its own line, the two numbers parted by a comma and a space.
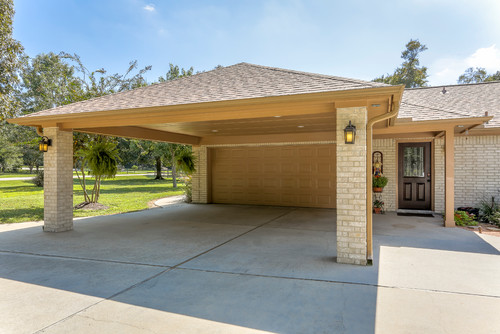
216, 268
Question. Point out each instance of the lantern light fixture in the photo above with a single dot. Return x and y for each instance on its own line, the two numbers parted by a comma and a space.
350, 133
44, 143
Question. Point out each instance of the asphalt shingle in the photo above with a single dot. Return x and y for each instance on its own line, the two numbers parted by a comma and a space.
240, 81
457, 101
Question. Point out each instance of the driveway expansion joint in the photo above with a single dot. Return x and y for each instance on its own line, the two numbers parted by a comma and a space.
81, 258
336, 282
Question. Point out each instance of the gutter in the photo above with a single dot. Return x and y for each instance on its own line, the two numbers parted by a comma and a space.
393, 112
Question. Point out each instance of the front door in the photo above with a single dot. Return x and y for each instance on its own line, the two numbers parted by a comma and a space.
414, 179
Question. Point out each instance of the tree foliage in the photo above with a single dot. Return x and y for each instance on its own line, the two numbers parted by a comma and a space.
175, 72
476, 75
101, 158
11, 57
47, 82
10, 154
98, 83
410, 73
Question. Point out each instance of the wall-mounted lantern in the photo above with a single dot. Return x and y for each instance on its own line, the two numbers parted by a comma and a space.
350, 133
44, 143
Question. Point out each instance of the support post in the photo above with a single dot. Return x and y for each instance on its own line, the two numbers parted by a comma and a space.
449, 177
351, 188
58, 181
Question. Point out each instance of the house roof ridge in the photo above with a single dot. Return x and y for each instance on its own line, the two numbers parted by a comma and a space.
455, 85
312, 74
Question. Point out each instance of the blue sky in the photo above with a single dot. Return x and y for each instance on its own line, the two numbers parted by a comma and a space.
350, 38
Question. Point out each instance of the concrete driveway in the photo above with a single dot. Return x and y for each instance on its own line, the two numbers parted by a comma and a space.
244, 269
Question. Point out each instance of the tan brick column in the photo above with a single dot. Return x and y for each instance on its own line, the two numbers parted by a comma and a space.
351, 188
200, 178
58, 181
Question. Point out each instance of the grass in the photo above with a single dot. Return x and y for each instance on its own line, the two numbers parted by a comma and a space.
21, 201
10, 175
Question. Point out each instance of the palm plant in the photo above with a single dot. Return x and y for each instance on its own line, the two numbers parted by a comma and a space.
101, 157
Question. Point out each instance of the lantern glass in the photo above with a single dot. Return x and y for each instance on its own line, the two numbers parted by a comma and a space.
350, 133
44, 144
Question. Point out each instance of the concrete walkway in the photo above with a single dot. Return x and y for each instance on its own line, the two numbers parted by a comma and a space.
244, 269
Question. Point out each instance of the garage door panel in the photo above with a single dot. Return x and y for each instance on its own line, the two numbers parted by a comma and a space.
301, 175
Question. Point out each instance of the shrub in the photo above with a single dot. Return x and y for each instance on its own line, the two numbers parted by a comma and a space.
38, 179
489, 211
379, 181
378, 204
463, 218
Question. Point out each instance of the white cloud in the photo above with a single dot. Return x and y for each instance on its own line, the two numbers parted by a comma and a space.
149, 8
447, 70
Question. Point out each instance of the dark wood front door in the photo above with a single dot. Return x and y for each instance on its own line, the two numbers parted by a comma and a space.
414, 179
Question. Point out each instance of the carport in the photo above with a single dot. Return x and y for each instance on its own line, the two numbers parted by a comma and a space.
261, 135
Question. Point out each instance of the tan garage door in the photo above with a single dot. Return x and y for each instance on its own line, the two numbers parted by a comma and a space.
299, 175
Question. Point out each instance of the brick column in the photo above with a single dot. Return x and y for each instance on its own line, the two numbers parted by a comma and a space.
58, 181
351, 188
200, 178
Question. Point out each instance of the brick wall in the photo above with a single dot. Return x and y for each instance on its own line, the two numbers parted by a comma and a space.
351, 188
200, 179
58, 181
477, 169
388, 149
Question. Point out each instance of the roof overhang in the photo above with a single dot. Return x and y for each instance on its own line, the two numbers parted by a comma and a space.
431, 128
194, 123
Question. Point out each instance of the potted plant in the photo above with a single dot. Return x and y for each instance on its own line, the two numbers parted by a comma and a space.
378, 206
378, 183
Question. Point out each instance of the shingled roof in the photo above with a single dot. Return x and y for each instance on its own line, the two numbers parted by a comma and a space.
240, 81
455, 101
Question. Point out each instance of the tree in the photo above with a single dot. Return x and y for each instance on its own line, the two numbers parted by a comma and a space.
409, 73
10, 154
101, 157
174, 73
97, 83
48, 82
479, 74
11, 57
179, 157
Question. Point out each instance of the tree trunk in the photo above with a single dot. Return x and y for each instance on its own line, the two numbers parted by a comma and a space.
31, 169
174, 173
158, 169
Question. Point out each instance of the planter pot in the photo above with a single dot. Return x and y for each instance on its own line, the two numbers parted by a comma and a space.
377, 210
377, 190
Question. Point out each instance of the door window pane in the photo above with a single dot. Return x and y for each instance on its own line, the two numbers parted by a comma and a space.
413, 162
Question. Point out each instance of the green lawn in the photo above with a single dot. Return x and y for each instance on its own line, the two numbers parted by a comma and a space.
21, 201
9, 175
120, 172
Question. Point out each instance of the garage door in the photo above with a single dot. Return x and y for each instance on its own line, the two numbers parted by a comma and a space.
300, 175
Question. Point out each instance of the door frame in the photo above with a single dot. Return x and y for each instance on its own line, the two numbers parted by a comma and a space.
433, 171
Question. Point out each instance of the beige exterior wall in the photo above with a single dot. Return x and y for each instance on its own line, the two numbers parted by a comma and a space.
58, 181
477, 169
388, 149
351, 188
439, 175
200, 178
